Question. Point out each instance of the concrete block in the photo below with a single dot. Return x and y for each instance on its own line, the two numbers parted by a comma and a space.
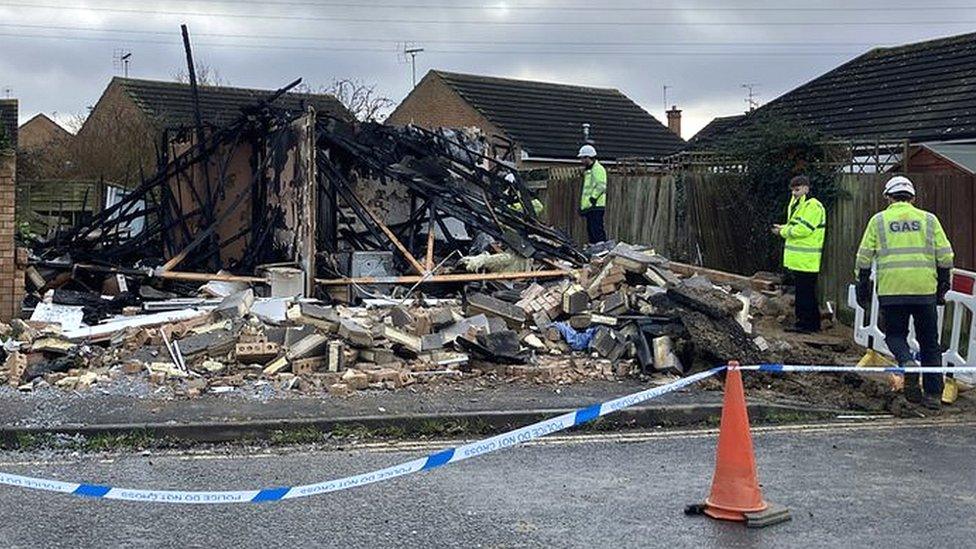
541, 320
496, 324
440, 317
432, 342
335, 359
513, 315
401, 317
603, 342
505, 342
664, 357
575, 300
580, 322
310, 345
603, 320
377, 355
468, 325
235, 305
354, 333
410, 341
614, 304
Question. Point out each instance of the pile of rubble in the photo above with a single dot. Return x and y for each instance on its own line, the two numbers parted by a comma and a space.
627, 312
312, 238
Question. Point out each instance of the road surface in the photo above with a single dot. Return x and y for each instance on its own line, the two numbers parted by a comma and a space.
873, 485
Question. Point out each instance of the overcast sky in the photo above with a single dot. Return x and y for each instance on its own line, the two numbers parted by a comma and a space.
58, 59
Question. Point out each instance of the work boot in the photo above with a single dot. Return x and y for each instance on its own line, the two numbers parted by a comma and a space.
951, 391
913, 391
930, 401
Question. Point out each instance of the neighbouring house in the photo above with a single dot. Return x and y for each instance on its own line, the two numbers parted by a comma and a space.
916, 94
41, 132
544, 121
134, 120
717, 126
43, 149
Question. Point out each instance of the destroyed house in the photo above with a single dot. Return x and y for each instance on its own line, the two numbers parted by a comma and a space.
125, 130
544, 121
922, 92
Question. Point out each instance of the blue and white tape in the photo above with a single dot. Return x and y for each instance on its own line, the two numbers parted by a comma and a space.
792, 368
433, 461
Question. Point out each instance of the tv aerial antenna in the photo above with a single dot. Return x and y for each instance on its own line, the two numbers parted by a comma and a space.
120, 61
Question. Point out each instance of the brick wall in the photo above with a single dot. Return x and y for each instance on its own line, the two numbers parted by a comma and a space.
433, 104
8, 119
11, 266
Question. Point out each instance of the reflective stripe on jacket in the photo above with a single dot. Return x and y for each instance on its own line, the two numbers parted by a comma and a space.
908, 245
594, 185
804, 234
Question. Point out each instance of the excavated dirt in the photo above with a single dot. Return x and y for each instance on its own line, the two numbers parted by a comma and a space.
874, 393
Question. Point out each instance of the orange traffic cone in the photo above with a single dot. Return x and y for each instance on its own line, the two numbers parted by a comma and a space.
735, 487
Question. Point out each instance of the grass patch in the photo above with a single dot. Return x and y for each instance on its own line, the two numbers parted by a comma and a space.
135, 440
453, 427
303, 435
105, 442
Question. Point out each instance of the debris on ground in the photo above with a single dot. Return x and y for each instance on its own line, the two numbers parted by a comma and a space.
348, 257
627, 312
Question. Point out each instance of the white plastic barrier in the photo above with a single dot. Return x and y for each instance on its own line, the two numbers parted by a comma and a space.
962, 297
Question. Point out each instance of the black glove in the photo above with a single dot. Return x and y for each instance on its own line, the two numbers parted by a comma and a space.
592, 201
864, 289
943, 286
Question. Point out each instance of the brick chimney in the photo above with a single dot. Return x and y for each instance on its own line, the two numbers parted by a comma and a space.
674, 120
8, 119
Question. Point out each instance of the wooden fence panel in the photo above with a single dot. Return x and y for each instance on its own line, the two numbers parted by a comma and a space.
643, 209
715, 211
951, 198
640, 207
846, 218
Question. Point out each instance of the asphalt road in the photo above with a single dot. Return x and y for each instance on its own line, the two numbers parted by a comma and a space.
880, 485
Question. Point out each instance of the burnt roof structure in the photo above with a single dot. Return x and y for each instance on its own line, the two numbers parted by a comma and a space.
924, 91
546, 119
170, 104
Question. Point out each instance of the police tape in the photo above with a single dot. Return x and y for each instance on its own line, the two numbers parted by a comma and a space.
794, 368
433, 461
438, 459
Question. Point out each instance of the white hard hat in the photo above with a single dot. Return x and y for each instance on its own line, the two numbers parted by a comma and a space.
587, 151
510, 177
899, 184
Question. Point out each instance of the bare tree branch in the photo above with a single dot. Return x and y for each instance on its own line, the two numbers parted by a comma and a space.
206, 76
361, 99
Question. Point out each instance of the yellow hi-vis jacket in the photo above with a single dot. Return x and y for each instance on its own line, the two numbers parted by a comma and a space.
537, 206
908, 245
594, 185
806, 223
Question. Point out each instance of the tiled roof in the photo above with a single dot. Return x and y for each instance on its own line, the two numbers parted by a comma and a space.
546, 119
715, 127
924, 91
171, 103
